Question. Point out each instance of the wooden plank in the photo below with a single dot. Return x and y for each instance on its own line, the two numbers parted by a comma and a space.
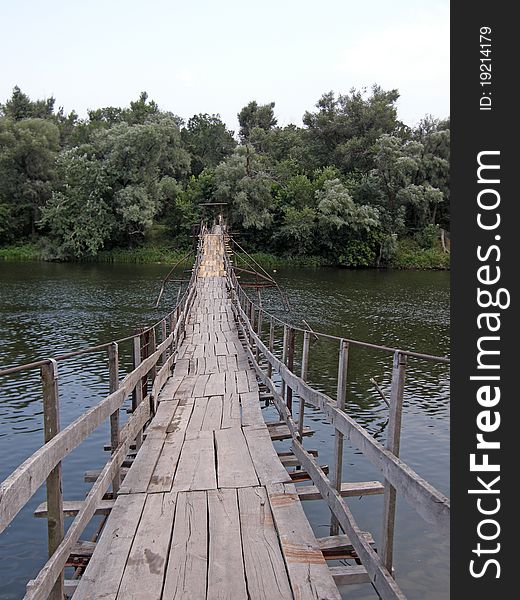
338, 547
72, 507
164, 472
104, 571
213, 416
185, 390
281, 432
360, 488
144, 571
251, 411
162, 419
265, 571
215, 385
197, 416
196, 468
349, 575
181, 417
242, 382
141, 471
252, 381
226, 578
267, 465
230, 411
234, 465
200, 385
186, 574
308, 572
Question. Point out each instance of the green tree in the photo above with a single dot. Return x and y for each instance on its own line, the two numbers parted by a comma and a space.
254, 115
344, 129
28, 149
208, 141
243, 181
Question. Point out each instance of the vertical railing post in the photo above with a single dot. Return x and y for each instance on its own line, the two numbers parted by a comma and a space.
164, 335
137, 394
113, 384
271, 347
152, 347
393, 444
51, 425
290, 365
338, 436
305, 369
259, 332
284, 356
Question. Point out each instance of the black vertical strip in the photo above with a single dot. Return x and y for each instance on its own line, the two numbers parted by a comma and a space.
475, 131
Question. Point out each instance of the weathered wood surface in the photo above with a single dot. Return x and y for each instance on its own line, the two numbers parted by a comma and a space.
202, 524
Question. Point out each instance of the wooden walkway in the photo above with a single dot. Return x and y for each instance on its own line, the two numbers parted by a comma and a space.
207, 509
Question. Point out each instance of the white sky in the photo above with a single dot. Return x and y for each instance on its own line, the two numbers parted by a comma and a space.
215, 56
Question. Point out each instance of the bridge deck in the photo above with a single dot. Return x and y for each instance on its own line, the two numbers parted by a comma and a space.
207, 510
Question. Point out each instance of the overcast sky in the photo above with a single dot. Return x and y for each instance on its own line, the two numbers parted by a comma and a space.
196, 56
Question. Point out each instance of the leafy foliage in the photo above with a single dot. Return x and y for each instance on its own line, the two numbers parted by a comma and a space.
353, 186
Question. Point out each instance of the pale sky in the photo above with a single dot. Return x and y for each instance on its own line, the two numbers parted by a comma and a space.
202, 56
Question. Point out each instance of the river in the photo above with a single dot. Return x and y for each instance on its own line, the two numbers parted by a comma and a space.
47, 308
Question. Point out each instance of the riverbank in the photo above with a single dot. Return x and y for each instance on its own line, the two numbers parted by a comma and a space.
409, 256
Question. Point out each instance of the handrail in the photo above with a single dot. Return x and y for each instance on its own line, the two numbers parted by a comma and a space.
388, 349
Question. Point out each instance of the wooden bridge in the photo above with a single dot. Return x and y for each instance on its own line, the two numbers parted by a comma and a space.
205, 506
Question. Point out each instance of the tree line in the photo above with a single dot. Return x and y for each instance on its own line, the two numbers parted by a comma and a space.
348, 186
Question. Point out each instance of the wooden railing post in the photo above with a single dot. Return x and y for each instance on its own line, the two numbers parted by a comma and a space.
290, 365
164, 335
113, 384
271, 347
259, 332
284, 354
338, 436
305, 368
137, 395
51, 425
393, 444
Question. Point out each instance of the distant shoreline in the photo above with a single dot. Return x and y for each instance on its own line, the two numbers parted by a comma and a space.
407, 259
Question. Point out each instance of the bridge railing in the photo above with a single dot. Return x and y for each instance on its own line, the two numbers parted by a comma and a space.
152, 364
398, 477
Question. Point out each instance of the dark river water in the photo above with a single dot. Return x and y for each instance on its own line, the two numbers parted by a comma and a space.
46, 309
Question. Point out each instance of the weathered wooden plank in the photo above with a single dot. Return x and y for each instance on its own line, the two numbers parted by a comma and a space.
360, 488
265, 571
213, 416
197, 416
308, 572
181, 417
242, 382
234, 465
104, 571
215, 385
196, 469
251, 411
267, 465
200, 385
230, 411
162, 419
72, 507
281, 432
186, 574
141, 471
144, 571
164, 472
226, 578
349, 575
